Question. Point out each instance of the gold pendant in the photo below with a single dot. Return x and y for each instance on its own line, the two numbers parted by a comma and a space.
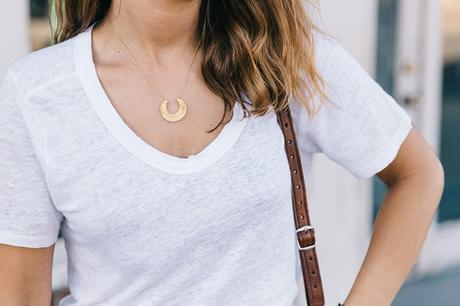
173, 117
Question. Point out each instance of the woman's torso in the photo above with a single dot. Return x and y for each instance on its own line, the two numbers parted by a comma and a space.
143, 227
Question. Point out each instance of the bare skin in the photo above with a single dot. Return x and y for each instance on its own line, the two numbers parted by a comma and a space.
163, 39
25, 275
415, 179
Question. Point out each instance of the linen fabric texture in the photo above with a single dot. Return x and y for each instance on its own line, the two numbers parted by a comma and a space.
142, 227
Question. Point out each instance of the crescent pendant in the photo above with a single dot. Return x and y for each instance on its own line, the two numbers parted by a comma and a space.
173, 117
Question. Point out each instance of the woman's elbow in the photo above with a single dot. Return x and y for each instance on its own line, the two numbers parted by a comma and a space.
435, 176
416, 166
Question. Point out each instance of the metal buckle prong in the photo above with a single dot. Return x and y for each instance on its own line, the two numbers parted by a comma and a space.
304, 229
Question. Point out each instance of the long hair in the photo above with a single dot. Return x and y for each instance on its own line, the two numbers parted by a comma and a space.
256, 50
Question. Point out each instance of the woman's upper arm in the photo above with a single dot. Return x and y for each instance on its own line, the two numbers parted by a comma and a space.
415, 157
360, 126
25, 275
29, 221
28, 217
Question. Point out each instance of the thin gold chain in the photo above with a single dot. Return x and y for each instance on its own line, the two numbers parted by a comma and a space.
153, 86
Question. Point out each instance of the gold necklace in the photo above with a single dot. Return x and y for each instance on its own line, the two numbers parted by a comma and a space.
182, 106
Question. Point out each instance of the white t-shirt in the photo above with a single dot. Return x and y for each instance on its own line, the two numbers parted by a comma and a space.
142, 227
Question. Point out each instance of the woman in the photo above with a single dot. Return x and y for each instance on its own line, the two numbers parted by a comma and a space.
188, 202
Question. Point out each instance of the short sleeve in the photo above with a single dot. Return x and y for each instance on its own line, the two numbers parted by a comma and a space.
360, 127
28, 217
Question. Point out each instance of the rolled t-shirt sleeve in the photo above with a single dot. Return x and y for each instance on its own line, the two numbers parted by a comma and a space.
360, 127
28, 218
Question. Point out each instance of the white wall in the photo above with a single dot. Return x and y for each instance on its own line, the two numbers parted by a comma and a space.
14, 19
354, 24
341, 205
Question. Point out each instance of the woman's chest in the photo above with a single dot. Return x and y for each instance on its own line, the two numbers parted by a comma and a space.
105, 190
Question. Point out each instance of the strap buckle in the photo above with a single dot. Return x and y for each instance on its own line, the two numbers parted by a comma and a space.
304, 229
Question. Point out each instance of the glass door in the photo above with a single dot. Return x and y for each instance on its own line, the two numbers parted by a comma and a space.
419, 64
449, 210
441, 251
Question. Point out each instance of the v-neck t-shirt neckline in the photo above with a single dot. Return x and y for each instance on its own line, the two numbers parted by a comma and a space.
215, 150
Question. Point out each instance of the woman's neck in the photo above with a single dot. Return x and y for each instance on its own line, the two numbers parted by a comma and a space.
153, 27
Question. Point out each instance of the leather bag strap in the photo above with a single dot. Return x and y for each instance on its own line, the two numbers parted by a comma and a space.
305, 232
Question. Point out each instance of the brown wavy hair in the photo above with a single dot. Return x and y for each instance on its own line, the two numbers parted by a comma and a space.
261, 50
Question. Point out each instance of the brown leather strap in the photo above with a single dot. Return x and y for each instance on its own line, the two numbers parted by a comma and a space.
305, 232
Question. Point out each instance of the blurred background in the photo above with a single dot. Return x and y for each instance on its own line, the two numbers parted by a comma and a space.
412, 48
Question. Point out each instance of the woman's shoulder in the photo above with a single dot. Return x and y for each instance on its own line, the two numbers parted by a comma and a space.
332, 60
41, 67
324, 43
346, 81
360, 126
